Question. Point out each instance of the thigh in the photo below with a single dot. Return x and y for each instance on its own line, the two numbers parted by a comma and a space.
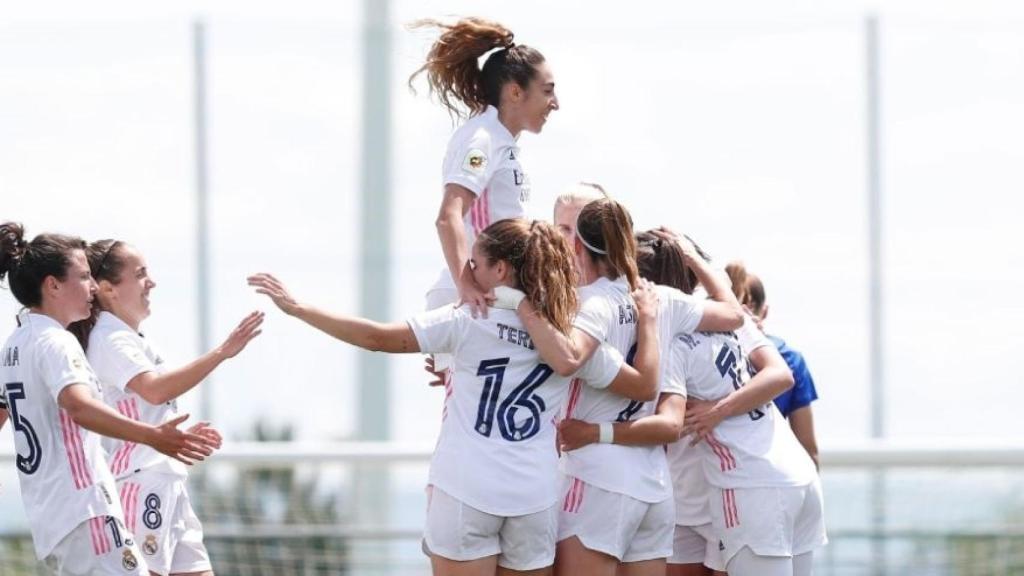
688, 570
654, 567
480, 567
746, 563
572, 558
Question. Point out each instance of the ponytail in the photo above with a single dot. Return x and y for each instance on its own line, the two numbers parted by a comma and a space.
27, 264
738, 277
106, 262
606, 230
454, 75
542, 262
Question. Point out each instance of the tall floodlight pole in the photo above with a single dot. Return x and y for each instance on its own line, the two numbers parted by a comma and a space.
375, 215
373, 484
875, 280
202, 211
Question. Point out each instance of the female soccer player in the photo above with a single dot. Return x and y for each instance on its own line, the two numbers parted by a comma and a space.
618, 505
137, 382
494, 484
569, 203
694, 549
52, 395
483, 179
794, 404
766, 504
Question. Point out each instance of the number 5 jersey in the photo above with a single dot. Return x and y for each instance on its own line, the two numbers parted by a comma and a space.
61, 467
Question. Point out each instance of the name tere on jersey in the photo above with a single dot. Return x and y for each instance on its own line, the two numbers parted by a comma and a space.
514, 336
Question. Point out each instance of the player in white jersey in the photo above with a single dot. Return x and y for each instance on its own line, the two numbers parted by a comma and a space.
483, 179
765, 506
52, 397
139, 385
694, 550
494, 482
618, 507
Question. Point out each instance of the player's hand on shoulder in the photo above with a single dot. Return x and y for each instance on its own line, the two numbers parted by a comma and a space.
472, 295
645, 297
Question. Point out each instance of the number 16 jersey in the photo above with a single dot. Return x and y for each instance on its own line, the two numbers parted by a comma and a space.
496, 451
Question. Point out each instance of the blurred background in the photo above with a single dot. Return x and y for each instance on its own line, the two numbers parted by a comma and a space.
863, 158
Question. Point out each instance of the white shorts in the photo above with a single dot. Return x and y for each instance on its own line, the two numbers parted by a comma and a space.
99, 546
697, 545
618, 525
159, 512
770, 521
457, 531
443, 293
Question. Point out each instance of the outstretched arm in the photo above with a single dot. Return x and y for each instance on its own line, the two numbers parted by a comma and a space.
159, 388
373, 336
91, 414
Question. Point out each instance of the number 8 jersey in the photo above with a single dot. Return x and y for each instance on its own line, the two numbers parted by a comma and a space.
61, 467
496, 451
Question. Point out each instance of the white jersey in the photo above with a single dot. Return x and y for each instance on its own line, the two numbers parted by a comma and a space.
496, 451
753, 450
483, 157
63, 473
117, 354
608, 314
686, 463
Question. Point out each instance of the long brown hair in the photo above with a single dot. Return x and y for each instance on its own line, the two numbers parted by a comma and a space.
660, 260
106, 262
751, 291
452, 70
606, 230
542, 262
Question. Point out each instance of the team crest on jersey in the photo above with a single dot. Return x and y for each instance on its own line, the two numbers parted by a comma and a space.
150, 547
475, 162
129, 561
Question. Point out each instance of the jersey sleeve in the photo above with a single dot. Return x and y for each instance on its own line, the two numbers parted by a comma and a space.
803, 391
439, 330
602, 368
3, 398
683, 310
469, 163
594, 318
61, 363
750, 337
119, 357
673, 370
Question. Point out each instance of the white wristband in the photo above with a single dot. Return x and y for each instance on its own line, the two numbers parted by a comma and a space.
507, 298
607, 433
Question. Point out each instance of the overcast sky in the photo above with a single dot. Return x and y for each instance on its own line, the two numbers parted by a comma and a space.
741, 123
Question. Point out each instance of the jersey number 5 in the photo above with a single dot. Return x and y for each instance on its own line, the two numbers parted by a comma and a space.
30, 463
521, 398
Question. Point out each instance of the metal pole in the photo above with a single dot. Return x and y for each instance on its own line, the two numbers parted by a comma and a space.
202, 212
875, 282
373, 484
